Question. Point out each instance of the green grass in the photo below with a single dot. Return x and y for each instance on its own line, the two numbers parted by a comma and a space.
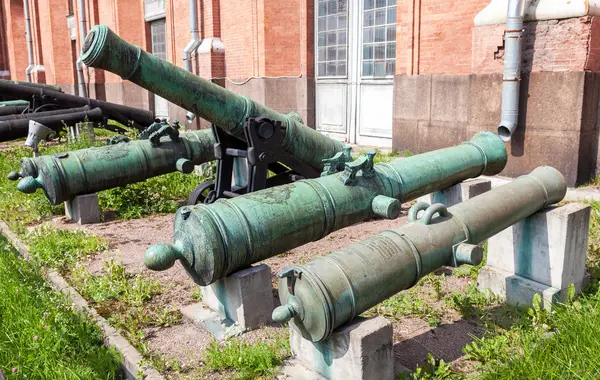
61, 249
41, 335
114, 284
248, 361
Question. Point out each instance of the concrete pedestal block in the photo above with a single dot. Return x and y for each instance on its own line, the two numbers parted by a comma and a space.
361, 350
542, 254
83, 209
458, 193
239, 302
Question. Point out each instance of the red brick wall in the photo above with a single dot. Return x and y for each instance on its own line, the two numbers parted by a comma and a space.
554, 45
4, 66
434, 36
15, 38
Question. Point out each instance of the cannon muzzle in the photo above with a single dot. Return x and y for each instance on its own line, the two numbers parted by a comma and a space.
105, 50
214, 241
66, 175
330, 291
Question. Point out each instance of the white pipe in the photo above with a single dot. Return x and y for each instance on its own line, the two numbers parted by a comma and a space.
79, 64
495, 12
192, 46
513, 42
29, 68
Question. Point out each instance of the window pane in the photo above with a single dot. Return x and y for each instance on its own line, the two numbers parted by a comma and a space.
369, 4
342, 21
380, 17
341, 71
342, 5
379, 51
391, 15
380, 34
367, 51
379, 69
332, 7
322, 24
367, 69
369, 18
368, 35
390, 67
342, 38
391, 50
331, 54
321, 54
322, 69
332, 23
380, 3
331, 38
391, 34
322, 39
322, 8
391, 2
331, 69
341, 53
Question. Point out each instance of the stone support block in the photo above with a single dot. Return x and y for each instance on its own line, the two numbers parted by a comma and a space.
83, 209
458, 193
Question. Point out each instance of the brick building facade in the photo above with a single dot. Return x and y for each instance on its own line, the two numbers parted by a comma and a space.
407, 74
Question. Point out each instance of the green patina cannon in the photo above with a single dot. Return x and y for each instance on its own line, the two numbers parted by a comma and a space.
65, 175
330, 291
228, 111
216, 240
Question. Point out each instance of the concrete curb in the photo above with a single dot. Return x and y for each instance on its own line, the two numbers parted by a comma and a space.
133, 363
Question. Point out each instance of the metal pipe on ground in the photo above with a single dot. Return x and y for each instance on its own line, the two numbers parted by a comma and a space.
14, 129
330, 291
213, 241
38, 85
37, 115
114, 111
12, 110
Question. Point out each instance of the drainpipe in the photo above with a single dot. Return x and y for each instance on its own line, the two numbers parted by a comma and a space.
83, 33
513, 37
29, 68
192, 46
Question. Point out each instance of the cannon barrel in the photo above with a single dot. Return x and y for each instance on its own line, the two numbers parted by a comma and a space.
65, 175
35, 115
229, 235
105, 50
36, 85
330, 291
14, 129
112, 110
12, 110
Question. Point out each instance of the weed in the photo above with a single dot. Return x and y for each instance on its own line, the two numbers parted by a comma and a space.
249, 361
487, 349
114, 284
402, 305
470, 303
432, 369
197, 294
437, 283
61, 249
132, 322
41, 334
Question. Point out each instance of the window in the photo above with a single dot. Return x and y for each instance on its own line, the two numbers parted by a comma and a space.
332, 38
154, 9
159, 38
379, 38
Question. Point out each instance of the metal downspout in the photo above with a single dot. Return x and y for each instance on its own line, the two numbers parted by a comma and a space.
79, 64
29, 68
192, 46
512, 69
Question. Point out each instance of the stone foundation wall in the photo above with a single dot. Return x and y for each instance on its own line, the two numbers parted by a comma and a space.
557, 127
